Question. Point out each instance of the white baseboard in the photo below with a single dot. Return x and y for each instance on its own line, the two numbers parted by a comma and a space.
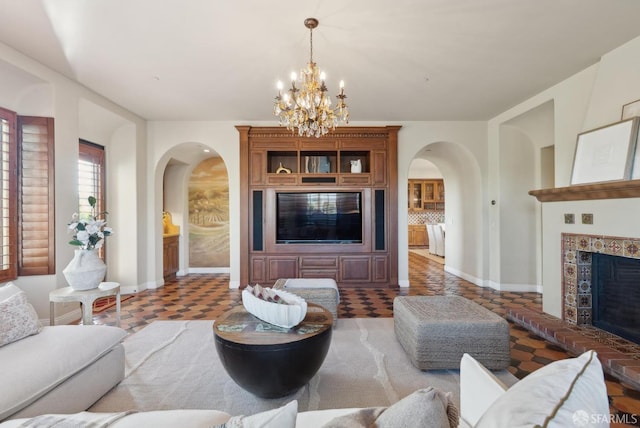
403, 283
129, 289
234, 285
463, 275
516, 288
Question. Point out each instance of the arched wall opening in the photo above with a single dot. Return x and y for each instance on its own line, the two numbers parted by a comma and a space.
174, 173
463, 209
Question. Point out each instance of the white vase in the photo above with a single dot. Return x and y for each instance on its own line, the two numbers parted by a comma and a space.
85, 271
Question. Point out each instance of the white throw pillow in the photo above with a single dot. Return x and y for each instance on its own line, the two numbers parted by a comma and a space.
8, 290
426, 407
282, 417
18, 318
562, 394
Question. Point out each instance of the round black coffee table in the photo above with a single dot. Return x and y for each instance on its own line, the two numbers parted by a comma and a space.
271, 361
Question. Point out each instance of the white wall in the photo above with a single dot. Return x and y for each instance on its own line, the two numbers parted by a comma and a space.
422, 168
32, 89
589, 99
459, 150
517, 211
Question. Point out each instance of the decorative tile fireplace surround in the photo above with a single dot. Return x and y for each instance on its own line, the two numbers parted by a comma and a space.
577, 250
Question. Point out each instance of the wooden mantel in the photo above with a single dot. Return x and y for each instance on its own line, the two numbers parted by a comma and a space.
609, 190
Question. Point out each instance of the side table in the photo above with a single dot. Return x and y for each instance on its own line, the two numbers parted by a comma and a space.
86, 299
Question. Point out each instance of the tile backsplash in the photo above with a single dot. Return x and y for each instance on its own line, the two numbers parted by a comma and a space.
426, 217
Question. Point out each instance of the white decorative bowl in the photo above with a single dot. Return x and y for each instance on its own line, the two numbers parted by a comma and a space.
279, 314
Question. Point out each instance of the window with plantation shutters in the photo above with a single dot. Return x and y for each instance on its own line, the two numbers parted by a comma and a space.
36, 196
91, 179
8, 200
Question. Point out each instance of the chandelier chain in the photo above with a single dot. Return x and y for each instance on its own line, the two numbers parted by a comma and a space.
310, 44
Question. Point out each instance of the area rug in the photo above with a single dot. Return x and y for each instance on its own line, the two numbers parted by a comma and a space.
423, 252
174, 365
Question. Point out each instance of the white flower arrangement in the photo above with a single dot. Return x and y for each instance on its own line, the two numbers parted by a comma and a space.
88, 231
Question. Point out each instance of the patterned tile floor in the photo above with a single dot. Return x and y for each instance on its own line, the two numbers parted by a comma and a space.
207, 296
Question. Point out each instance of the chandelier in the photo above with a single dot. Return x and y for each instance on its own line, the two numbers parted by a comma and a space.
307, 107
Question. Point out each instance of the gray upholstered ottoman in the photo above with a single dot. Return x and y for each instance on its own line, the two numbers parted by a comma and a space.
435, 331
321, 291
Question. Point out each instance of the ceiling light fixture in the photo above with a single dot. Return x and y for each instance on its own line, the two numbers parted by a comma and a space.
307, 108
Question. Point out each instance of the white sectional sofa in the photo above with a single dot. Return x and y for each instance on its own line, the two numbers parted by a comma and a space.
562, 394
55, 369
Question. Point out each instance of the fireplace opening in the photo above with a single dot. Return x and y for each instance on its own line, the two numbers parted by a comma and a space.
616, 295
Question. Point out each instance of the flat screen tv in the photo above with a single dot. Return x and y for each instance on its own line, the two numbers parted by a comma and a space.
319, 217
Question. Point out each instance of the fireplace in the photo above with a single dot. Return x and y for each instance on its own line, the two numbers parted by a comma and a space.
615, 284
579, 273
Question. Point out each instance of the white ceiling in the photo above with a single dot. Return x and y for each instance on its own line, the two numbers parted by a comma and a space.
401, 60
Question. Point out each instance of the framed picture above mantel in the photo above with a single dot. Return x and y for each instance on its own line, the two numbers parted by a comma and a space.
606, 153
630, 110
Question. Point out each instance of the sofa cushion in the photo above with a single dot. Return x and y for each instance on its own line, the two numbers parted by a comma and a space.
282, 417
426, 407
553, 396
37, 364
18, 318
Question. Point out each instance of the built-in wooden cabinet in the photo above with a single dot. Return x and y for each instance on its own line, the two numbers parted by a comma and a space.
426, 195
418, 235
360, 162
170, 255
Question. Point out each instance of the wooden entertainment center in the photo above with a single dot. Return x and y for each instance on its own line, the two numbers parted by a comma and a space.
280, 171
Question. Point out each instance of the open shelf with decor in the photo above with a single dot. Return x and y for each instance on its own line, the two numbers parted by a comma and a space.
318, 162
282, 162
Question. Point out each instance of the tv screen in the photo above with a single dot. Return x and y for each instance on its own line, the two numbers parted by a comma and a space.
319, 217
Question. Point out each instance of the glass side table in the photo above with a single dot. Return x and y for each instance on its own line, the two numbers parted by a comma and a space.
86, 299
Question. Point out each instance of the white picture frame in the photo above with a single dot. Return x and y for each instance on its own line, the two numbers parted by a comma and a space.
605, 153
630, 110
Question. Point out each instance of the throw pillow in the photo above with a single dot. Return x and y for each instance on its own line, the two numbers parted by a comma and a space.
8, 290
561, 394
424, 408
282, 417
18, 319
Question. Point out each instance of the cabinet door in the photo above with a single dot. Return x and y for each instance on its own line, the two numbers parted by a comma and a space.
258, 270
379, 167
421, 238
355, 268
440, 192
257, 166
415, 195
282, 267
429, 191
380, 268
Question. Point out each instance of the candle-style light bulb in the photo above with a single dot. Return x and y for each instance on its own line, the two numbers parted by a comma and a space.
293, 76
322, 76
342, 87
279, 85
